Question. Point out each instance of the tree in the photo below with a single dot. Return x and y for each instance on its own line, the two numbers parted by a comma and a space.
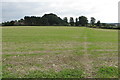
98, 23
76, 22
44, 21
65, 19
83, 21
71, 21
92, 21
8, 23
27, 21
53, 19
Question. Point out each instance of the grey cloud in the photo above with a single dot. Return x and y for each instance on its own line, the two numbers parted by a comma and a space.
15, 10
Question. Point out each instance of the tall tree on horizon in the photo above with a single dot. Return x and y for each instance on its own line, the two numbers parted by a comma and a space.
71, 21
83, 21
92, 21
65, 19
76, 22
98, 23
53, 19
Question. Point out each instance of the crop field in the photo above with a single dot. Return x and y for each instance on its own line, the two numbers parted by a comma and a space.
59, 52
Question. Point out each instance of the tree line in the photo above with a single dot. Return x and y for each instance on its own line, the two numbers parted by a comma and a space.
53, 20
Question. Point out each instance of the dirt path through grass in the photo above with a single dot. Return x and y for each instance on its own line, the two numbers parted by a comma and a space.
87, 61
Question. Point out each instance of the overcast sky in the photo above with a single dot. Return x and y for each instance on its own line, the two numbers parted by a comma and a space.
103, 10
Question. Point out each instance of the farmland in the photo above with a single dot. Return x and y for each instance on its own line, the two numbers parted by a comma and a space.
59, 52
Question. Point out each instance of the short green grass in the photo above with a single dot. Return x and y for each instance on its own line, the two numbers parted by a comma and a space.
67, 73
110, 72
59, 52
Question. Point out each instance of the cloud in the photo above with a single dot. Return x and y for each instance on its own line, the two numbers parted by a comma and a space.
15, 10
104, 10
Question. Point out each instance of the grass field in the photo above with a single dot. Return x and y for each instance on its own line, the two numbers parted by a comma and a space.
59, 52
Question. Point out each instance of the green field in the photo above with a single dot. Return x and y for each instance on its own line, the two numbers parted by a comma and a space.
59, 52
